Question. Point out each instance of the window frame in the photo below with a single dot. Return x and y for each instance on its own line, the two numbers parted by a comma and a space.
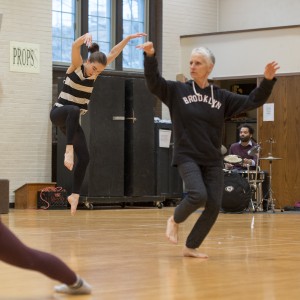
153, 26
146, 30
75, 33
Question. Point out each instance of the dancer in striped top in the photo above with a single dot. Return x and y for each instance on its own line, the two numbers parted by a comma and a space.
73, 102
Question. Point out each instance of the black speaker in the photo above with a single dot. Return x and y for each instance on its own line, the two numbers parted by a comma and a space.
106, 137
139, 139
119, 129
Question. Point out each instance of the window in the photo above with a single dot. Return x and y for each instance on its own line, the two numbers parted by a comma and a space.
99, 23
63, 29
133, 21
100, 19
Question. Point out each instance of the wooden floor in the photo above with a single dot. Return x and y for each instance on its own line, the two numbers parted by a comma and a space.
124, 255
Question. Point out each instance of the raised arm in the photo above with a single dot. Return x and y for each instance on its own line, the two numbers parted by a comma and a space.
156, 84
76, 59
116, 50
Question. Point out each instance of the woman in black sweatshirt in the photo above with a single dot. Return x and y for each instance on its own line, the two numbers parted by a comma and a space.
198, 110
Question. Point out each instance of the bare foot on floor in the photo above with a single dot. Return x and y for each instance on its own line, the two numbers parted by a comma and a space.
69, 160
189, 252
172, 231
73, 200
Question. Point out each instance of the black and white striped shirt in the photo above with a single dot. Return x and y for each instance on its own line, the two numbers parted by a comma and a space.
77, 89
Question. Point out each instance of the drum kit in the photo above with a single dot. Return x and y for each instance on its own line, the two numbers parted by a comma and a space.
254, 178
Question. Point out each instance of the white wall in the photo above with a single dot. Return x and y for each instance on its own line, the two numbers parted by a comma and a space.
25, 98
250, 14
245, 53
183, 18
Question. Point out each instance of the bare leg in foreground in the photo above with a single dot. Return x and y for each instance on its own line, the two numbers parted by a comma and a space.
14, 252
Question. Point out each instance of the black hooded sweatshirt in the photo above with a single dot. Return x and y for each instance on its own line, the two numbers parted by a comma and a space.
198, 119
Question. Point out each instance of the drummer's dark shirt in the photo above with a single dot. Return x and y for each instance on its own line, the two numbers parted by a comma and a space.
242, 151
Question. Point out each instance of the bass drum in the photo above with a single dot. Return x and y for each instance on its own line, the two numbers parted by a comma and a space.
236, 193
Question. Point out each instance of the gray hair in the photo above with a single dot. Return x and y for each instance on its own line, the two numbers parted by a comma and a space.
205, 52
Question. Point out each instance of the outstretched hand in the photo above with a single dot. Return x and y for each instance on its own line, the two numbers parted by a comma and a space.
136, 35
88, 39
270, 70
147, 48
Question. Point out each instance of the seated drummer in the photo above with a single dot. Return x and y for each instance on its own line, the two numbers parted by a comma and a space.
249, 158
242, 148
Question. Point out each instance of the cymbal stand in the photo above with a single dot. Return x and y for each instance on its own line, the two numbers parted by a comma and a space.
252, 188
271, 200
257, 183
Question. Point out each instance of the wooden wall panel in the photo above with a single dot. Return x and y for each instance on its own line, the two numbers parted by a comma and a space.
285, 132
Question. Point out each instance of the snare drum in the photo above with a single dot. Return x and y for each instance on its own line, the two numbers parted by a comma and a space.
252, 175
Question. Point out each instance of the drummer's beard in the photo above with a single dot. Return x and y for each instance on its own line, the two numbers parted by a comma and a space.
245, 139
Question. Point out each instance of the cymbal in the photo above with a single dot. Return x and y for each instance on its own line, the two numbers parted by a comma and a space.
270, 158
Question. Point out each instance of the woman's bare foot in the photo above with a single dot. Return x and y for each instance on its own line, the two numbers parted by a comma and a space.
172, 231
190, 252
73, 200
69, 157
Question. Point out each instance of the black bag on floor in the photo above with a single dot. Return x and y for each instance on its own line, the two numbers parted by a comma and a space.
291, 208
52, 198
236, 193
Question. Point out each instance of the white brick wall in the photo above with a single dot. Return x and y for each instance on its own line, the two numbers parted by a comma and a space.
184, 18
25, 99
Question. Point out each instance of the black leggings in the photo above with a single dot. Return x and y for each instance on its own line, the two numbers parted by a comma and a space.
14, 252
204, 187
67, 119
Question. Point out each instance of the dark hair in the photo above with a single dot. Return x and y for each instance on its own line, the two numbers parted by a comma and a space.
96, 55
250, 128
93, 48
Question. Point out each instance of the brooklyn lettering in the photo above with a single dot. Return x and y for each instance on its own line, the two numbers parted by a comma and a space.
202, 98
